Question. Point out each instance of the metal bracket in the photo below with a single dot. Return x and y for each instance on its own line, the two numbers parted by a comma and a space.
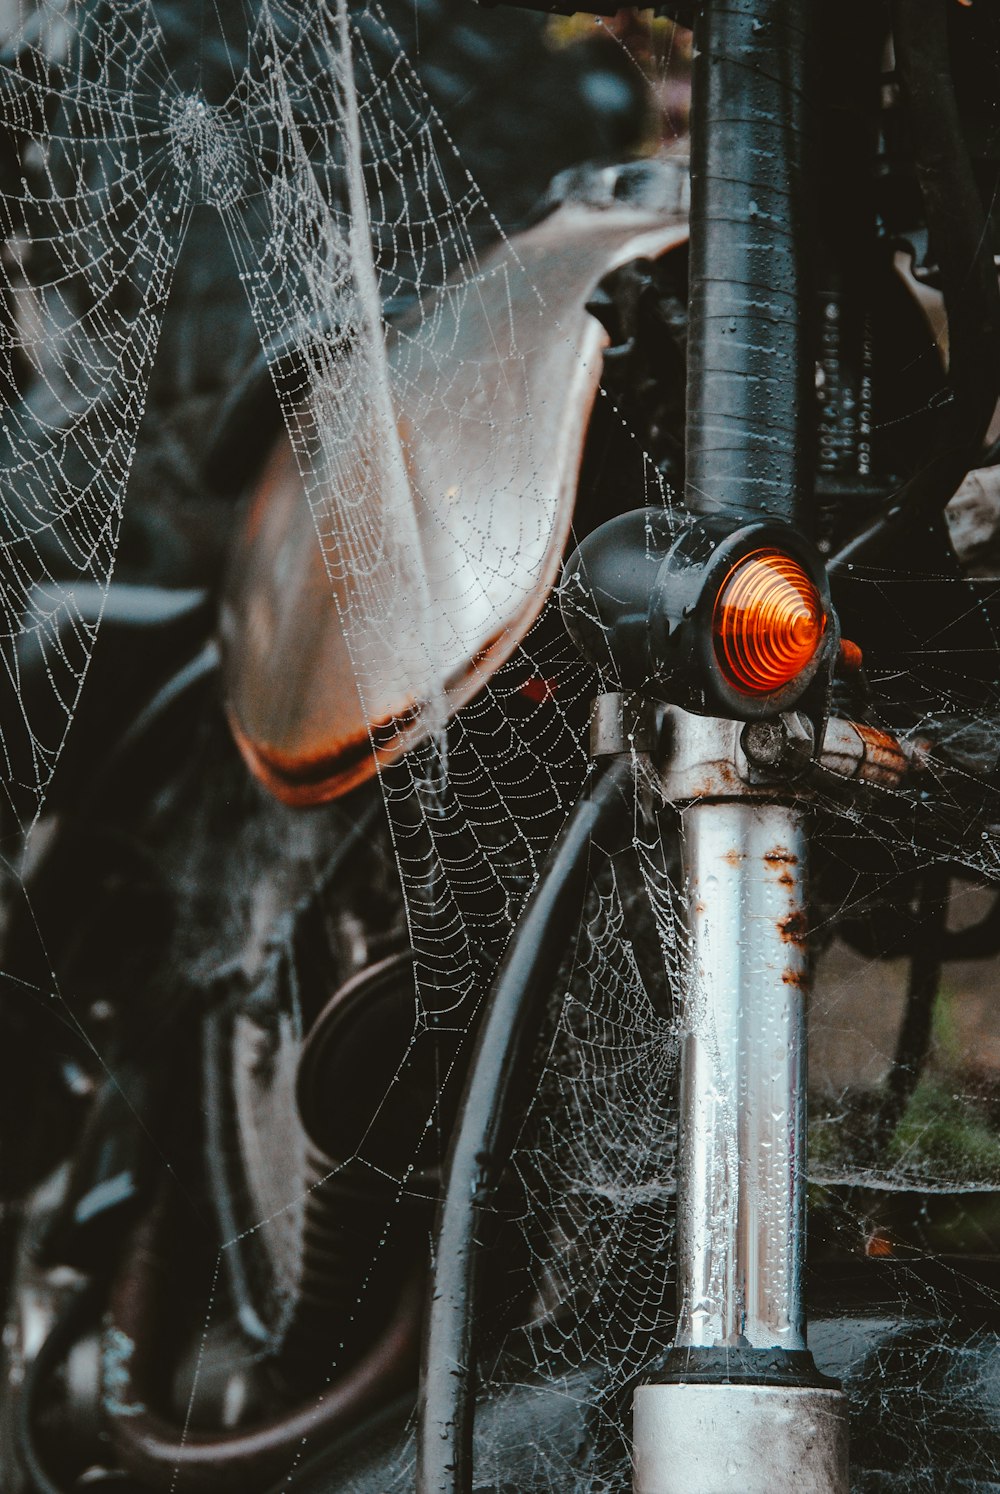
622, 722
709, 757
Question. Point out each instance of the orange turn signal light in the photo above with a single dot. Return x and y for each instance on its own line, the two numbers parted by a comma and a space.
768, 623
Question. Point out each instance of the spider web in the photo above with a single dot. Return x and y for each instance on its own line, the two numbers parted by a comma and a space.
341, 193
103, 213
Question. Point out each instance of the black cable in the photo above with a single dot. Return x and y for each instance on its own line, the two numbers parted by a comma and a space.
63, 1334
482, 1139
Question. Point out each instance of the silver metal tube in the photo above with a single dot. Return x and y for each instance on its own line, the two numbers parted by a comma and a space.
743, 1090
739, 1439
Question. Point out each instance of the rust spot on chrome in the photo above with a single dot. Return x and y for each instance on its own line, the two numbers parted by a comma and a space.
786, 879
699, 909
876, 738
780, 856
793, 928
733, 857
721, 778
795, 978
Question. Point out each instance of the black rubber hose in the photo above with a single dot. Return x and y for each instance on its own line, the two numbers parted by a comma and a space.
750, 365
481, 1144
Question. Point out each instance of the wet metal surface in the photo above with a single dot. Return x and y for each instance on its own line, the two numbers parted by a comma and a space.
757, 1439
741, 1203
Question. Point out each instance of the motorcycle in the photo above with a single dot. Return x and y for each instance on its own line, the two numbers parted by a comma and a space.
607, 650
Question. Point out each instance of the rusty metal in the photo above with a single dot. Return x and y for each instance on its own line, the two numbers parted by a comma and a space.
701, 758
742, 791
741, 1188
333, 661
867, 754
706, 757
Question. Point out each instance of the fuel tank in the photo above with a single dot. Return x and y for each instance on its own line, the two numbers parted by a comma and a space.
351, 630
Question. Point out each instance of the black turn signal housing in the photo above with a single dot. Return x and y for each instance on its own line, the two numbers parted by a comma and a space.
718, 616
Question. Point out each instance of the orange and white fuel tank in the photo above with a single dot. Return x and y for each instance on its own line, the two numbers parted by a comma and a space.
369, 600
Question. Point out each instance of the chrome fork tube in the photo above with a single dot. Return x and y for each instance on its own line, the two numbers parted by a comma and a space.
743, 1084
738, 1403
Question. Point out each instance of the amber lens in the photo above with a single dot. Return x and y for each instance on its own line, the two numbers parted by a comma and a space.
769, 622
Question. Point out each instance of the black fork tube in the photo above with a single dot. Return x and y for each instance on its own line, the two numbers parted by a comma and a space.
749, 365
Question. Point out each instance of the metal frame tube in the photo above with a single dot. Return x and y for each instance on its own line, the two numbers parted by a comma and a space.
743, 1088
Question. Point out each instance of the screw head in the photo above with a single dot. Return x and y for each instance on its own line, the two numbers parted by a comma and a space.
765, 743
